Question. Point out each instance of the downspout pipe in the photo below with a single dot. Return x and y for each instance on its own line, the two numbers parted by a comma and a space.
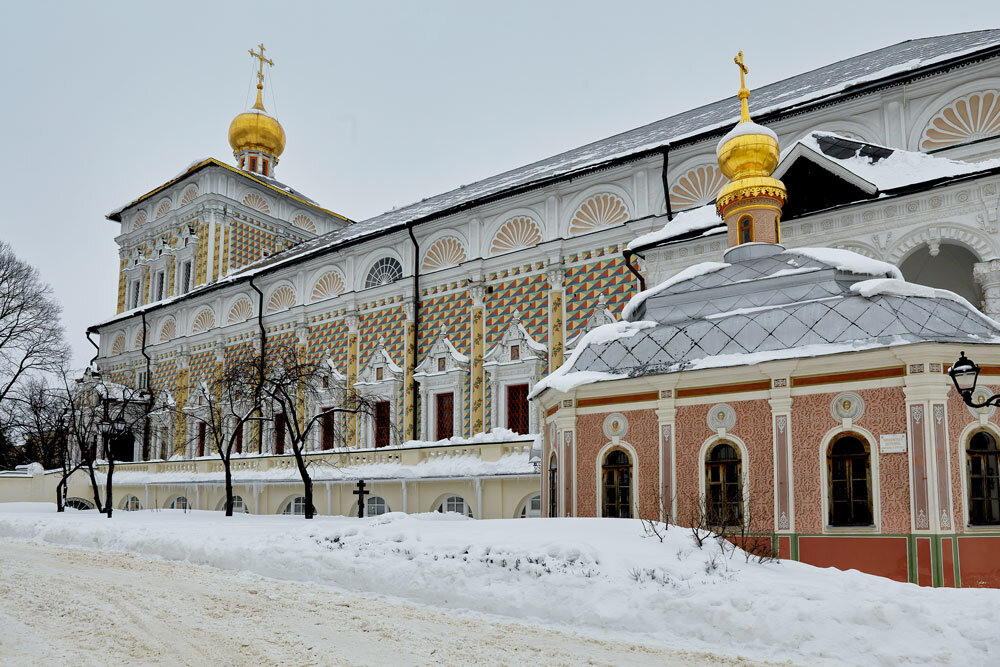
666, 182
627, 256
263, 352
93, 360
149, 377
416, 319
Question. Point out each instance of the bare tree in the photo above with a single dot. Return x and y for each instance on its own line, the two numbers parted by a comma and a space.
42, 422
31, 336
224, 404
293, 385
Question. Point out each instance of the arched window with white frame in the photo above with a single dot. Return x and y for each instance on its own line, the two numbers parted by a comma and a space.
983, 469
455, 504
849, 482
723, 485
616, 485
376, 506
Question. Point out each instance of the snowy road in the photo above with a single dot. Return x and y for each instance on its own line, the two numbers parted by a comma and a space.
70, 605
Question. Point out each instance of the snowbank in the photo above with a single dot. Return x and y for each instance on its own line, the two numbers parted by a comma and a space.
597, 574
693, 220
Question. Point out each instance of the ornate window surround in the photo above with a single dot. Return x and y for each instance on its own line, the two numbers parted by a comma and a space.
502, 371
433, 382
386, 389
873, 461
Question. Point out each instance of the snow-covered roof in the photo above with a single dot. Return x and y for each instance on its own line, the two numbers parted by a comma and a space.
882, 168
822, 84
765, 303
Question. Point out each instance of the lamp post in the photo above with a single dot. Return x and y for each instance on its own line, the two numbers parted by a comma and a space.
965, 373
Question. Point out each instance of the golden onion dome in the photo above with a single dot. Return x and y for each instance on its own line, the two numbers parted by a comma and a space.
255, 130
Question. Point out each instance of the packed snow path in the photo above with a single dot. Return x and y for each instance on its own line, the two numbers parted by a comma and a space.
593, 576
64, 605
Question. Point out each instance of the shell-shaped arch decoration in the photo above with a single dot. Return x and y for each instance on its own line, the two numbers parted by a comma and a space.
254, 200
162, 209
516, 233
118, 346
140, 220
203, 321
445, 252
970, 117
241, 311
189, 195
304, 222
282, 299
140, 338
696, 187
329, 285
168, 330
601, 210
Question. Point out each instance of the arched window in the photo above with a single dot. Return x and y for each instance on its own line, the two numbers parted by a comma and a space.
179, 503
296, 506
984, 480
617, 481
131, 504
79, 504
553, 487
386, 270
239, 505
723, 488
850, 488
532, 507
375, 506
455, 504
744, 229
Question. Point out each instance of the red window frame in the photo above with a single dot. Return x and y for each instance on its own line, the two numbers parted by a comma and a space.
444, 413
382, 417
517, 408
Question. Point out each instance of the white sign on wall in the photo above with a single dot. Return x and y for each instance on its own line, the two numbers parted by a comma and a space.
892, 443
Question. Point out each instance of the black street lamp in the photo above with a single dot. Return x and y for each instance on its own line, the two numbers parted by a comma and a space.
964, 373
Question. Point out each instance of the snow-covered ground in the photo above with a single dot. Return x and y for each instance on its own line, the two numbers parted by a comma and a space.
587, 575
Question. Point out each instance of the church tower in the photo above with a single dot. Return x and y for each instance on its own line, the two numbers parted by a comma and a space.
257, 139
751, 202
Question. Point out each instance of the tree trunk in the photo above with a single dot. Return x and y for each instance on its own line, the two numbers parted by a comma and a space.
59, 494
229, 487
306, 482
97, 492
108, 505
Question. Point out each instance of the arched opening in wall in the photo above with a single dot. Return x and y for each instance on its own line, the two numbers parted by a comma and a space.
532, 507
239, 505
553, 487
295, 507
723, 487
455, 504
950, 268
179, 503
616, 483
983, 464
79, 504
131, 504
376, 506
849, 476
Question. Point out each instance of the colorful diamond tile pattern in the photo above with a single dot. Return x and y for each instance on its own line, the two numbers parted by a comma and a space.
586, 283
529, 296
450, 314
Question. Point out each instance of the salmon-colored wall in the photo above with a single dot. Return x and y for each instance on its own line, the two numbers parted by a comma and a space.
959, 418
642, 436
977, 557
884, 556
753, 427
885, 412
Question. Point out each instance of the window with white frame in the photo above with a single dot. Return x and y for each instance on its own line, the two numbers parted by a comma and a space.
159, 284
375, 506
185, 276
131, 504
532, 507
441, 377
455, 504
295, 507
179, 503
133, 301
513, 366
380, 383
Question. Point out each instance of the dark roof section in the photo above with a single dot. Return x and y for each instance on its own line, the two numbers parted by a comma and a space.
841, 148
270, 183
856, 75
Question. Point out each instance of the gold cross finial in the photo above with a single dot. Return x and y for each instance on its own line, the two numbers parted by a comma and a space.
744, 94
260, 74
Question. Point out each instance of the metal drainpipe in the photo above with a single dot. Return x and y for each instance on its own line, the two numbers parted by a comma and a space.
145, 421
263, 353
666, 182
627, 256
96, 347
416, 319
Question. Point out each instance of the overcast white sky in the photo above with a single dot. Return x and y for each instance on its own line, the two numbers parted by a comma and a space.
383, 103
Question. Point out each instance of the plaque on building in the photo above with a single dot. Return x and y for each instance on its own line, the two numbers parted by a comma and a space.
892, 443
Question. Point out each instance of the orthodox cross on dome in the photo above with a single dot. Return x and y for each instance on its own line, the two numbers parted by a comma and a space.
260, 72
744, 94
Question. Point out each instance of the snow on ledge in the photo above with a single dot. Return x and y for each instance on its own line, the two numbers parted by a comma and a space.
692, 220
850, 261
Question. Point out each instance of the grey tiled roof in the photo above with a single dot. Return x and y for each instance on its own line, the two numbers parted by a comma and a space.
771, 305
824, 83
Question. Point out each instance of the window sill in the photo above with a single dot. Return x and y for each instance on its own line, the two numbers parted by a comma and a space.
980, 529
851, 530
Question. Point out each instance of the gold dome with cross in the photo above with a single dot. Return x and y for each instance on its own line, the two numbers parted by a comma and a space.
257, 139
